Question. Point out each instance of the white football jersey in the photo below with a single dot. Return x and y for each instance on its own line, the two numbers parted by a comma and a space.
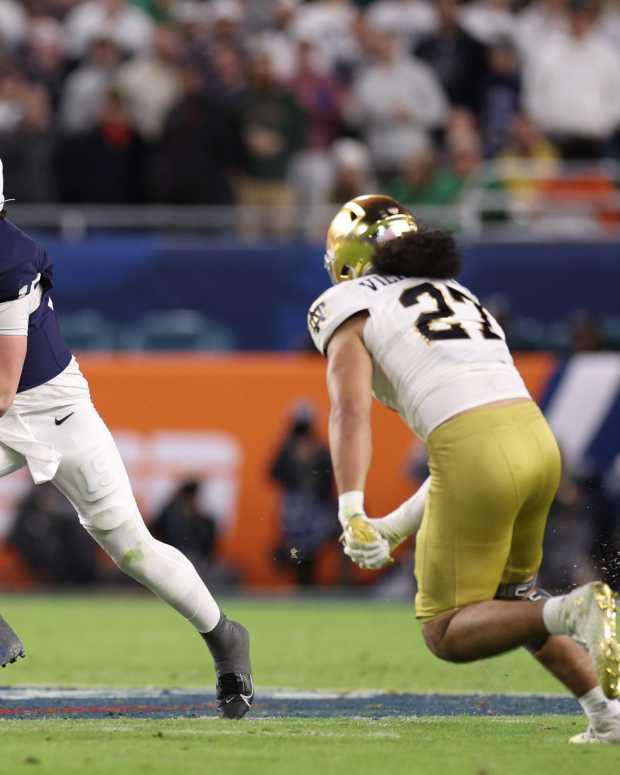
436, 350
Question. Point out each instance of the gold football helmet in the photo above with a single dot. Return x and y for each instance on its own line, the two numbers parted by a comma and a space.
356, 230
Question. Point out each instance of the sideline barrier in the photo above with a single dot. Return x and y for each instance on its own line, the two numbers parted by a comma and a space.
227, 415
222, 418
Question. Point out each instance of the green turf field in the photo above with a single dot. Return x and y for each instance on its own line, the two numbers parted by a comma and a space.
338, 747
137, 641
125, 641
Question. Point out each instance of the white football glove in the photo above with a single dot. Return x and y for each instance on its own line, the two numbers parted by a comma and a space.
370, 542
364, 544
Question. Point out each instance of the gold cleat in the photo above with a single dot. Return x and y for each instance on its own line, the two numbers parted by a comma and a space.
590, 616
607, 659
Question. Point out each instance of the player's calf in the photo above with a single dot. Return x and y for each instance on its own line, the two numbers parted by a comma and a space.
11, 647
526, 591
171, 576
484, 629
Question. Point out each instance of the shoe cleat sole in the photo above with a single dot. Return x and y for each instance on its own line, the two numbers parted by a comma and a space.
585, 738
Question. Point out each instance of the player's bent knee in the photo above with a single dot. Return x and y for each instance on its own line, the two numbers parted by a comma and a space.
108, 513
437, 642
126, 543
134, 550
159, 567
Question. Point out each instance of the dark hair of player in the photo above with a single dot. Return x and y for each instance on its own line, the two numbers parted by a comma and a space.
423, 253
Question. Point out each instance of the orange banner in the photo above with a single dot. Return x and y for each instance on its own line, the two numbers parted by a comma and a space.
223, 418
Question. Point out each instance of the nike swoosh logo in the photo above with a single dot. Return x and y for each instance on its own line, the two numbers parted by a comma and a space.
62, 419
245, 697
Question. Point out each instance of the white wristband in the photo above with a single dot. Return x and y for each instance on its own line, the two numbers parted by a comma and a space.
349, 504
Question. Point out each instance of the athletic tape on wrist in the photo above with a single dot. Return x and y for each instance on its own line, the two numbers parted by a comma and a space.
350, 503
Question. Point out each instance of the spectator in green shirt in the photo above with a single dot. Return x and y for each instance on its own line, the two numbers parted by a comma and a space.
425, 182
274, 131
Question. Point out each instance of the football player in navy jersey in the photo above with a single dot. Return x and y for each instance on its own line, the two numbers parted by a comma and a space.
49, 424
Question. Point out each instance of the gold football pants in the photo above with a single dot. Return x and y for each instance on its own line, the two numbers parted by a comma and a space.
494, 473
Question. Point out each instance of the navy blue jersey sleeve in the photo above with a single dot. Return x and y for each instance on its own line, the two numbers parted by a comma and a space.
25, 267
19, 281
24, 264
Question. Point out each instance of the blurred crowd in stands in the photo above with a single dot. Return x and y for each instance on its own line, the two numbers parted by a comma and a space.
282, 102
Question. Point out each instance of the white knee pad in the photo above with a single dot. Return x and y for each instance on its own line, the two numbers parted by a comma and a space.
161, 568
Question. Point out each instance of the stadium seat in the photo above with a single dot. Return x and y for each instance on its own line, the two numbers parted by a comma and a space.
88, 330
526, 334
558, 335
185, 330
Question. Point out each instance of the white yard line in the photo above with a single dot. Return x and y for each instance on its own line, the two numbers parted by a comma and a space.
44, 692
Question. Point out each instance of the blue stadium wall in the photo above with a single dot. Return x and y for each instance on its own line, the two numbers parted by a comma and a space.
262, 291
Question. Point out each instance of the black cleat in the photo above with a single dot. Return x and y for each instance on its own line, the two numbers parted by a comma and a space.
11, 647
229, 644
235, 694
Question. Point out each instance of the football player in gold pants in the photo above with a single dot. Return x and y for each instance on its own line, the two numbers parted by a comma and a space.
396, 324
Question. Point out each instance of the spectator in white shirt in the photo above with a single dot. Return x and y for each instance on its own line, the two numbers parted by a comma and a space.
125, 24
537, 22
397, 102
13, 21
489, 20
351, 171
330, 26
149, 83
279, 39
412, 18
572, 86
347, 174
85, 88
